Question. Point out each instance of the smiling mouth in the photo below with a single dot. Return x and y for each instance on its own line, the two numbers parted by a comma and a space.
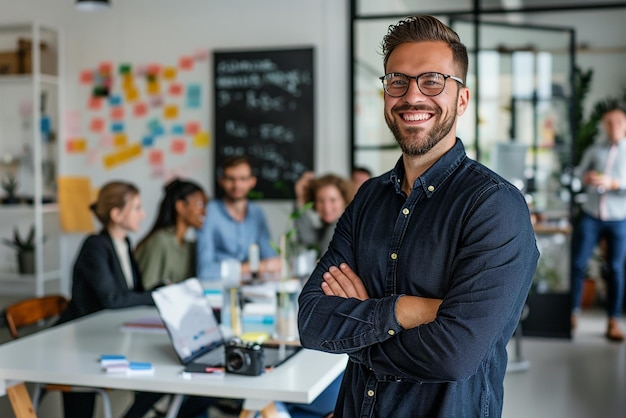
416, 117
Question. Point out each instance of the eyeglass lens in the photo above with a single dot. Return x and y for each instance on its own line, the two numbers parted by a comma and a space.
430, 84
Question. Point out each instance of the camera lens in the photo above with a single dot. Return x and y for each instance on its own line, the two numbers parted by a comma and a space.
237, 360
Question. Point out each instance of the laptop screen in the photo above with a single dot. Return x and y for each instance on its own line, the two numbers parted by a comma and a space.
189, 318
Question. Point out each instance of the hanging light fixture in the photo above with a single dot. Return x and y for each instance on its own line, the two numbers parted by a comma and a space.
92, 5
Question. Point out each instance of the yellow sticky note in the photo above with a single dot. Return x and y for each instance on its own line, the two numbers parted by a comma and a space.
170, 112
169, 73
76, 145
202, 140
120, 140
153, 87
128, 80
132, 94
122, 156
75, 196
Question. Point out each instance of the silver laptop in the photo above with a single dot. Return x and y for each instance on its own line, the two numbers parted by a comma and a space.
194, 330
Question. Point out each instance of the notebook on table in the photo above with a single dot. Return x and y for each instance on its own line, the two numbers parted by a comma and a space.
194, 331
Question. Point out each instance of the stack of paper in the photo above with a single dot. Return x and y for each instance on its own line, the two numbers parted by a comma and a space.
119, 364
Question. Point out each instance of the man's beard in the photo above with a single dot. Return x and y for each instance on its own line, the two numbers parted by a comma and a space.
409, 139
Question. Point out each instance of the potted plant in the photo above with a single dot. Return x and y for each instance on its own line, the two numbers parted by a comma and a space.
9, 185
25, 248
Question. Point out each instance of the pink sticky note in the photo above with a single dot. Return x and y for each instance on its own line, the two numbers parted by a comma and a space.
185, 62
117, 113
105, 67
155, 157
72, 123
140, 109
96, 125
192, 128
201, 54
156, 101
86, 77
95, 103
106, 140
178, 146
76, 145
154, 69
176, 89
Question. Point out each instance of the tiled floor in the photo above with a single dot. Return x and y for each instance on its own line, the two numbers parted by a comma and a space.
580, 378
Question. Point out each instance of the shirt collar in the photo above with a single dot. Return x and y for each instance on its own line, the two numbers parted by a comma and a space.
435, 175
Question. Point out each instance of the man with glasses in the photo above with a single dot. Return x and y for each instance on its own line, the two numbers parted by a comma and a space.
233, 224
429, 267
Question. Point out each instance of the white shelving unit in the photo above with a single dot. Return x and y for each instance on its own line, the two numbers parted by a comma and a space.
30, 135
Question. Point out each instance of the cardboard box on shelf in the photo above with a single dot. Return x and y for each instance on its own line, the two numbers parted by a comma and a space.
9, 63
20, 61
46, 55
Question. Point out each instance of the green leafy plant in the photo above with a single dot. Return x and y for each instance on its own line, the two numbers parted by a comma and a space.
19, 243
291, 232
9, 185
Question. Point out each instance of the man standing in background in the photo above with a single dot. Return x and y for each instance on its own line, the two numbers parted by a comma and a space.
603, 168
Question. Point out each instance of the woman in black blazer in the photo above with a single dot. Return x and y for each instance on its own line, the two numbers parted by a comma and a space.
105, 272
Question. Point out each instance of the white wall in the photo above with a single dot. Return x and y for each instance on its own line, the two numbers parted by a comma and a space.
144, 31
160, 30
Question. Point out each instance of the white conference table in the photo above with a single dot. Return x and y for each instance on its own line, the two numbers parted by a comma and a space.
69, 354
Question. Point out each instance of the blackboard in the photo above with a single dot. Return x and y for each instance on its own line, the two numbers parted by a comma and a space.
264, 110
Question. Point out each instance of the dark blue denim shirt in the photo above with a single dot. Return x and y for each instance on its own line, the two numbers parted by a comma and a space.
463, 235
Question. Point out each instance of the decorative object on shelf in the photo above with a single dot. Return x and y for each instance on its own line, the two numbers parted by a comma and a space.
92, 5
9, 185
25, 248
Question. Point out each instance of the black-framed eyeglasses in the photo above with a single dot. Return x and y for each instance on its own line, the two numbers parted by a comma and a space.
430, 84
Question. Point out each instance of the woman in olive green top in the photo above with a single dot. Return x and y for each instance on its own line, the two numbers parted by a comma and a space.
165, 255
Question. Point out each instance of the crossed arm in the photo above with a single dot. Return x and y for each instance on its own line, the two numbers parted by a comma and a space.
411, 311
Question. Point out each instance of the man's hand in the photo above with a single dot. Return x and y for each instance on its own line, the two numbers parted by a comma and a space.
342, 281
413, 311
300, 187
270, 265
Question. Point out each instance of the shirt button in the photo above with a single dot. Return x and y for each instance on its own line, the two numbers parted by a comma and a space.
391, 332
431, 188
405, 211
370, 392
394, 256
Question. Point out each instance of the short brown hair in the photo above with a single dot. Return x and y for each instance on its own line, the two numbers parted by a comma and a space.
343, 185
112, 195
425, 28
234, 161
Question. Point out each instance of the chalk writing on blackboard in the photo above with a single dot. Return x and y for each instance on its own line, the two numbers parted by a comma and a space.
264, 109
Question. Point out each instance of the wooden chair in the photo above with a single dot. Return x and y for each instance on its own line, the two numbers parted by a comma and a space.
41, 312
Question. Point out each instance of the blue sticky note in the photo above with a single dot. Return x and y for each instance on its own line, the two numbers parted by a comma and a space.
117, 127
138, 365
112, 357
178, 129
147, 141
115, 100
193, 96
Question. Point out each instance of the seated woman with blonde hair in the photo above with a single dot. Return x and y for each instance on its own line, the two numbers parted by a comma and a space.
105, 274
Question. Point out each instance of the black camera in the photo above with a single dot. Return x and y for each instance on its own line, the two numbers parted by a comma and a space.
244, 358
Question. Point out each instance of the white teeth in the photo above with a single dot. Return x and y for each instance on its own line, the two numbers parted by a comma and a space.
416, 116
